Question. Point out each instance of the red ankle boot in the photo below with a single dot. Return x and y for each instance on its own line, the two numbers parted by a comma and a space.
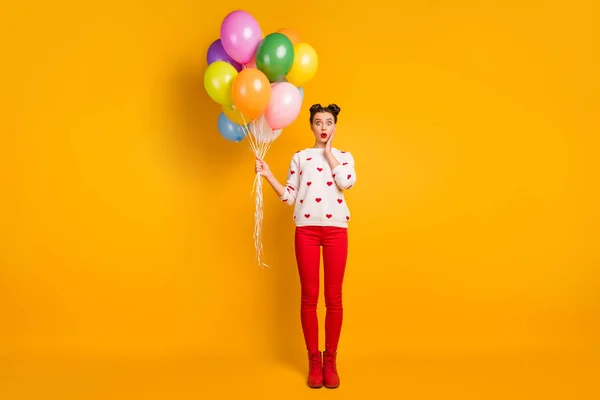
330, 375
315, 370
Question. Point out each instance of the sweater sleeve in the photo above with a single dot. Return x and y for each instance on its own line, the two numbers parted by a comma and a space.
345, 174
293, 182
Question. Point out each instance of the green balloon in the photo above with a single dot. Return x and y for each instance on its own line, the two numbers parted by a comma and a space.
275, 56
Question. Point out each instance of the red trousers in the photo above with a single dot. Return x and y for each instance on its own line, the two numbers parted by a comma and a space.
308, 243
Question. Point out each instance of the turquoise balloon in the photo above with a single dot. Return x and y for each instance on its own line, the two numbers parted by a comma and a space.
275, 56
301, 92
229, 129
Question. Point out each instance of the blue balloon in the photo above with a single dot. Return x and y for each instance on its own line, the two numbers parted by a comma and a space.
301, 93
229, 129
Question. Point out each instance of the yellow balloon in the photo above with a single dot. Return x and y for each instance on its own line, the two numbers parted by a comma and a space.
234, 115
218, 81
305, 64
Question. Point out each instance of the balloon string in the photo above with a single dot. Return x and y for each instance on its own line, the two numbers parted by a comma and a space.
259, 148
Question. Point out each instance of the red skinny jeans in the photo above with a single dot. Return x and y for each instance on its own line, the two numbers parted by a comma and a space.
308, 243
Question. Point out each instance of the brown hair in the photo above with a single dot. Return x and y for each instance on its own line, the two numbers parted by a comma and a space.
333, 109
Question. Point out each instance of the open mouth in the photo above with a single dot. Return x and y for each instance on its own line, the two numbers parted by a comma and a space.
323, 135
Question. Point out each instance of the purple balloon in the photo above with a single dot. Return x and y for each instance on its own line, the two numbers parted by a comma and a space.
216, 52
240, 36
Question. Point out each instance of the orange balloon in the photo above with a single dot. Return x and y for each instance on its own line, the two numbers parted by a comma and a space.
251, 93
291, 34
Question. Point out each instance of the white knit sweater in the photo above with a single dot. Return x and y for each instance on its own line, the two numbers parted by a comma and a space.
316, 190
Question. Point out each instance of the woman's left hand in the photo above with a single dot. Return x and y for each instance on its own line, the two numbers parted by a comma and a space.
328, 144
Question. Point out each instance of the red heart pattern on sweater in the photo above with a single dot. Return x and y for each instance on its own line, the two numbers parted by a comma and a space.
309, 183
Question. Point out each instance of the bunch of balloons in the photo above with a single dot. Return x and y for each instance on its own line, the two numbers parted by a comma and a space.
258, 82
257, 79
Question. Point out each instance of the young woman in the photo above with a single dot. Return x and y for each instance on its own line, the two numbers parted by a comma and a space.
316, 181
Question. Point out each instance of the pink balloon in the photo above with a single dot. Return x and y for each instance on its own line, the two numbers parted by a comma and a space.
240, 36
284, 105
262, 131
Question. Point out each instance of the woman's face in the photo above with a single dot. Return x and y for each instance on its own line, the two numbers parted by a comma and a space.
323, 126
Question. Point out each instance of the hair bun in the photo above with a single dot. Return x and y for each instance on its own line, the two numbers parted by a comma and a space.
315, 107
332, 109
335, 108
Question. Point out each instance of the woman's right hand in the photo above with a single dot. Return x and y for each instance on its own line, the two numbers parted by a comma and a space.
262, 168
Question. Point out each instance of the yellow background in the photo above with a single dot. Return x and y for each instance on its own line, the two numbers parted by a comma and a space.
127, 260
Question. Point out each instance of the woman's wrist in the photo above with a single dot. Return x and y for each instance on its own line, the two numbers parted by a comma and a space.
333, 162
